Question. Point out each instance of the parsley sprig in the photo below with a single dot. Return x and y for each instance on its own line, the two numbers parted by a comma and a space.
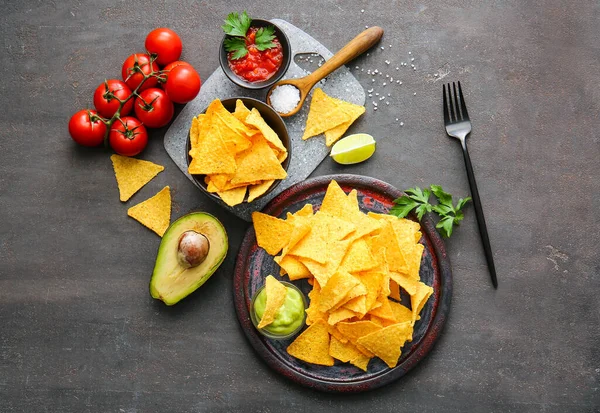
418, 199
237, 26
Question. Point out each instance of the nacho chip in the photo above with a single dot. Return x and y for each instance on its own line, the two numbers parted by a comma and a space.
336, 203
291, 266
257, 163
233, 132
211, 155
312, 345
241, 111
154, 213
387, 342
233, 197
353, 111
361, 361
401, 313
384, 310
394, 290
325, 113
354, 330
343, 352
358, 258
269, 134
312, 246
276, 293
417, 301
336, 289
254, 191
338, 315
358, 305
132, 174
272, 233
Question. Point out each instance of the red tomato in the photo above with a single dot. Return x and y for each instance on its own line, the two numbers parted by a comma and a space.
165, 43
183, 84
131, 75
167, 69
128, 136
84, 130
154, 108
106, 98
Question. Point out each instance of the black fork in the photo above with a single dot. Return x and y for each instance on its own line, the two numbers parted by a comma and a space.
458, 125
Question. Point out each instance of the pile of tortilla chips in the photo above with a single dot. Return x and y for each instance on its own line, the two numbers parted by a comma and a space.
357, 264
330, 116
238, 152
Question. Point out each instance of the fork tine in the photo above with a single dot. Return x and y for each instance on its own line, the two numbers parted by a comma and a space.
456, 104
446, 114
453, 117
463, 106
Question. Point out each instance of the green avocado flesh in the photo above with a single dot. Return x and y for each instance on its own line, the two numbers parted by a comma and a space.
171, 281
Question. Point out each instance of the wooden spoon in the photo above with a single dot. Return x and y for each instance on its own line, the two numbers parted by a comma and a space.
352, 50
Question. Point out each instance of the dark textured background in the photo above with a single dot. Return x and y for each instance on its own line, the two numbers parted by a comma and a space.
78, 329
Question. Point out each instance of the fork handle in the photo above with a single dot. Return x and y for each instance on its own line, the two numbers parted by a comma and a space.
479, 214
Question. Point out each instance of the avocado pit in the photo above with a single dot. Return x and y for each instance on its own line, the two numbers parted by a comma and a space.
192, 249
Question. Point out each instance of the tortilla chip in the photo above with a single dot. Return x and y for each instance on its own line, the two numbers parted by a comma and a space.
292, 267
361, 361
401, 313
336, 288
384, 310
312, 246
312, 345
418, 300
269, 134
241, 111
305, 211
324, 114
354, 330
313, 313
272, 233
211, 155
343, 352
338, 315
254, 191
358, 258
394, 290
387, 342
353, 111
233, 197
358, 305
276, 293
257, 163
154, 213
132, 174
337, 204
233, 132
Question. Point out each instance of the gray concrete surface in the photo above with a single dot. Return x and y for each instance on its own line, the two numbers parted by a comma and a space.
78, 329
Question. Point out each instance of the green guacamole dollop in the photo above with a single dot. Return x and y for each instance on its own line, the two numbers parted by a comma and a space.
288, 318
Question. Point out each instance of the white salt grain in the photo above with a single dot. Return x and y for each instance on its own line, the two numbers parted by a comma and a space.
285, 98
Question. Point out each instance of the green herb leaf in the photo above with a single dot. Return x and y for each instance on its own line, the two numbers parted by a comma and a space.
445, 226
264, 37
403, 206
418, 199
237, 45
443, 197
236, 25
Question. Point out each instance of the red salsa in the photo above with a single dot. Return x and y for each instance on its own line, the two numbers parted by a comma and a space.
257, 66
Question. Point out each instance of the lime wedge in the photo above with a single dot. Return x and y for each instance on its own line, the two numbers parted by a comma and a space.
353, 149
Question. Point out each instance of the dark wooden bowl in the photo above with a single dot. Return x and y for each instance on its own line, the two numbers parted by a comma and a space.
273, 120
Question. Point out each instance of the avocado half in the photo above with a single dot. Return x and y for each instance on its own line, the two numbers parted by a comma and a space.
172, 280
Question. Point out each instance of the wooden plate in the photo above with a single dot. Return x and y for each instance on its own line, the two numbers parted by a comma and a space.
254, 264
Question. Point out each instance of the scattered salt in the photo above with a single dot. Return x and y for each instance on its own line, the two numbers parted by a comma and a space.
285, 98
401, 123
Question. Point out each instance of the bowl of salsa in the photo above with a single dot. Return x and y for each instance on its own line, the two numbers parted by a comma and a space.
258, 59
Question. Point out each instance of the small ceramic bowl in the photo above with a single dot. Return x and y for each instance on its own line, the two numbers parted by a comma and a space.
269, 334
285, 64
272, 119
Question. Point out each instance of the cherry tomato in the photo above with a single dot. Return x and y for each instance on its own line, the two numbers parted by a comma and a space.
84, 130
183, 84
167, 69
154, 108
106, 95
131, 74
128, 136
165, 43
